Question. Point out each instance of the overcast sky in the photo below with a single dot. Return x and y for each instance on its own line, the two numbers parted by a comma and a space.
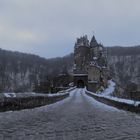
49, 28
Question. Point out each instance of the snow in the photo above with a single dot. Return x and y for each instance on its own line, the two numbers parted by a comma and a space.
71, 84
70, 89
58, 94
10, 95
104, 67
61, 93
132, 102
107, 94
31, 94
94, 58
110, 89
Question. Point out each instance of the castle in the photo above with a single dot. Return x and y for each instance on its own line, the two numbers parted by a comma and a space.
90, 64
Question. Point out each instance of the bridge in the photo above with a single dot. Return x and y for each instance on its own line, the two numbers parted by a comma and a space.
78, 117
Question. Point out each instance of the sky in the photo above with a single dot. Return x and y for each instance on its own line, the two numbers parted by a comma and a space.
49, 28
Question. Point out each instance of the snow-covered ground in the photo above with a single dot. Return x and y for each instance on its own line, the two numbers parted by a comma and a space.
32, 94
10, 94
58, 94
110, 89
107, 93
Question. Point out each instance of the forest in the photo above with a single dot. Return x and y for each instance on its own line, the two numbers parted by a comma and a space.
21, 72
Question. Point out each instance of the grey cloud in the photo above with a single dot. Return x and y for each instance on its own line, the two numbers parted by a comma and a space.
49, 27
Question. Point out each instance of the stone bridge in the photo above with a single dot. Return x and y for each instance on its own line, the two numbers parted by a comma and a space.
78, 117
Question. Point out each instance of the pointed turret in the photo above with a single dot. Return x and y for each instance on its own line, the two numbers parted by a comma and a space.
93, 42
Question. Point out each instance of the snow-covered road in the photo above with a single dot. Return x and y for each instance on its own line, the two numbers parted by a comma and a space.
78, 117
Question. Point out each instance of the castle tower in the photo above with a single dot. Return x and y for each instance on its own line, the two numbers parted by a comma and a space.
90, 67
97, 73
81, 60
97, 52
93, 42
94, 51
81, 54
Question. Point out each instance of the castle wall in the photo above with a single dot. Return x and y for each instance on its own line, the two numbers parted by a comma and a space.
82, 57
93, 86
105, 77
94, 74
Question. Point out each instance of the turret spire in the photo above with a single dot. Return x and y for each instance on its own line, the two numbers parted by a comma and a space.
93, 42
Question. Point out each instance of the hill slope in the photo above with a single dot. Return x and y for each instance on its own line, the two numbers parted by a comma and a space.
124, 64
20, 71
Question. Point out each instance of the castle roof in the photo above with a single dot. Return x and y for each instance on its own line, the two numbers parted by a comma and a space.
93, 42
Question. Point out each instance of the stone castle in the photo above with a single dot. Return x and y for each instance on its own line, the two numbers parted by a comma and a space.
90, 64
